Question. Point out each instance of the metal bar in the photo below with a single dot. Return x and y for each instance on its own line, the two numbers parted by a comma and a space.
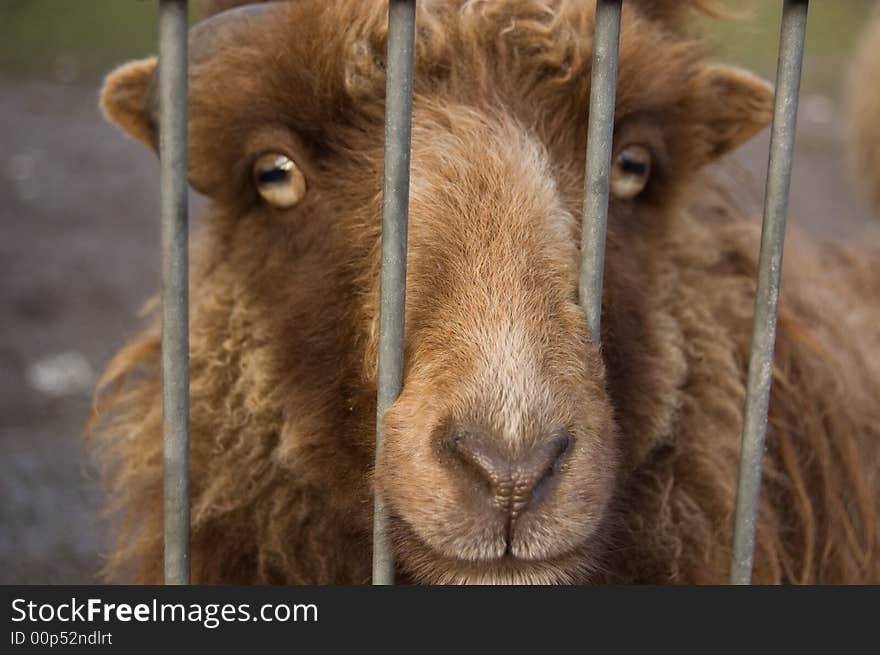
603, 88
395, 206
788, 79
175, 315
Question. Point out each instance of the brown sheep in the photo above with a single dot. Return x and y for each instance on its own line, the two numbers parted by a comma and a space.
863, 111
518, 451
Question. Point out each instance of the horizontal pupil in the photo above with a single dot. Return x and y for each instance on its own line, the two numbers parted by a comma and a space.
273, 176
632, 167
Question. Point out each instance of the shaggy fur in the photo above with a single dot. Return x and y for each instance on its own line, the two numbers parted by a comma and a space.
863, 111
284, 311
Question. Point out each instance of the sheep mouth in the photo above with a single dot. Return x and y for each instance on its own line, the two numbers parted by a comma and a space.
505, 570
422, 563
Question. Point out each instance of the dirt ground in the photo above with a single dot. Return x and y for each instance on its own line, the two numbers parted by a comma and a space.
79, 256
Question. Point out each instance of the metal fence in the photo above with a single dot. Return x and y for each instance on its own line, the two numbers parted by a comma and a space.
173, 157
398, 116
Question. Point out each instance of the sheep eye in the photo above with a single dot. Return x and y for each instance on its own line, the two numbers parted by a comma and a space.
279, 180
630, 171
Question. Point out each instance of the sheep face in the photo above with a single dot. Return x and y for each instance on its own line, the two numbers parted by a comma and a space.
503, 453
504, 419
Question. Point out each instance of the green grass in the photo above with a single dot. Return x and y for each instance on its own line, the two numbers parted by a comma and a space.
752, 38
39, 37
42, 37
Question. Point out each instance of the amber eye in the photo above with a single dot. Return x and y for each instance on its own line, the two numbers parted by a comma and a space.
279, 180
630, 171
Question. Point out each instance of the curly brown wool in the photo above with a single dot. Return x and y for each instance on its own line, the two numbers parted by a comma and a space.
284, 311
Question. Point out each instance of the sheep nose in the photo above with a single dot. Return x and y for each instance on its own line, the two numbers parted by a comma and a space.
513, 482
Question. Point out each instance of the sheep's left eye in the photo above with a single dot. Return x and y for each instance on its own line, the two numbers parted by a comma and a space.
279, 180
630, 171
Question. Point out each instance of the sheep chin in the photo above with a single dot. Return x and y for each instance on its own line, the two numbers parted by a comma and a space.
504, 571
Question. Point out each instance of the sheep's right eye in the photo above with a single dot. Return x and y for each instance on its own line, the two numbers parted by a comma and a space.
279, 180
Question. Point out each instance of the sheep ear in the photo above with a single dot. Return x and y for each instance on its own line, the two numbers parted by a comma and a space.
130, 96
732, 106
128, 99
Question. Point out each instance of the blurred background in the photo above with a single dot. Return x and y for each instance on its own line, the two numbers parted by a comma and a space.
79, 235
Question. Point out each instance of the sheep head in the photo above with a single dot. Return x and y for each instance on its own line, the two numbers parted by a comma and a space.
506, 448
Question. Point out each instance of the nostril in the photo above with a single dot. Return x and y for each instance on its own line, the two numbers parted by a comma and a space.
513, 482
478, 451
559, 445
545, 463
546, 456
561, 440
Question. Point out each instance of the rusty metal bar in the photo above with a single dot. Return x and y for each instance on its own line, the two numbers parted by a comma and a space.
395, 206
175, 297
603, 88
782, 138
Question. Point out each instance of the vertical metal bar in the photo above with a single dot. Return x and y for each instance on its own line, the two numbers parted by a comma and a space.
788, 80
175, 316
395, 206
603, 88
